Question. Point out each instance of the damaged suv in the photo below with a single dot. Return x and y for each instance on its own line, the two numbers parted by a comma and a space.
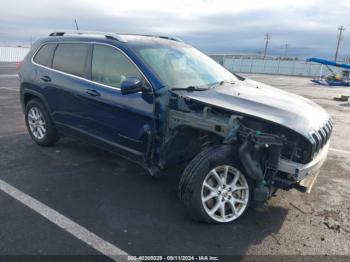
161, 103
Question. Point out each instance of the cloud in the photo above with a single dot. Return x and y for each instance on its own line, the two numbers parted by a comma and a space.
214, 26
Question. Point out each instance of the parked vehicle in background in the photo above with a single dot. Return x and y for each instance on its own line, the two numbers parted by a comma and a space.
161, 103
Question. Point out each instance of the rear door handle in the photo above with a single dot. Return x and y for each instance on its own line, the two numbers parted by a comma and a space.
92, 92
46, 78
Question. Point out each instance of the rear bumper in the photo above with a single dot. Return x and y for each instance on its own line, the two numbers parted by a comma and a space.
302, 171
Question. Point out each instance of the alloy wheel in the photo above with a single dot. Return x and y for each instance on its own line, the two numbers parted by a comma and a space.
225, 193
36, 123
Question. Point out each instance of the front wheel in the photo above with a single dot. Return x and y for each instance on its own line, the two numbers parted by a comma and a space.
214, 187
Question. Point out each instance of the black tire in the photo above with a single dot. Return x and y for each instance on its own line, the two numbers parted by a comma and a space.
190, 186
50, 137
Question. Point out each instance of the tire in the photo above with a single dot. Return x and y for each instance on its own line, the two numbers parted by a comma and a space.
192, 191
39, 123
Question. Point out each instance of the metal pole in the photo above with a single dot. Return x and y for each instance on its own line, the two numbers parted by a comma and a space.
76, 24
341, 29
321, 72
267, 39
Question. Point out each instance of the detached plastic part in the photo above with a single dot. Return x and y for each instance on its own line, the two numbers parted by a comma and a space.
154, 171
261, 193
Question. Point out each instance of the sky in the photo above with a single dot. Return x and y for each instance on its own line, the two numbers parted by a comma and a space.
309, 27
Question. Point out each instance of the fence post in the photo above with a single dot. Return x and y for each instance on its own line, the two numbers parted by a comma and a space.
240, 68
232, 63
293, 68
308, 69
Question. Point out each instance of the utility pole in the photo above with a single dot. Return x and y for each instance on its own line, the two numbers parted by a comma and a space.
76, 24
267, 39
341, 29
285, 50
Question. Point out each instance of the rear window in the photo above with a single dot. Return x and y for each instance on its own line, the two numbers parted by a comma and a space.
71, 58
44, 55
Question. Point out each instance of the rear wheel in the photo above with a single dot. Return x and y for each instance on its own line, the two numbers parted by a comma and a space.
39, 124
213, 186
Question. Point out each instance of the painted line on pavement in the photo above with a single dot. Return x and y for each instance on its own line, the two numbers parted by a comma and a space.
13, 134
9, 88
63, 222
9, 75
340, 151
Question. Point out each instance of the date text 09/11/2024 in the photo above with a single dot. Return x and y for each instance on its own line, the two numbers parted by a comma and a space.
173, 258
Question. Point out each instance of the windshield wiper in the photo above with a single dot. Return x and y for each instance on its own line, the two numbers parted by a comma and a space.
232, 82
190, 88
227, 81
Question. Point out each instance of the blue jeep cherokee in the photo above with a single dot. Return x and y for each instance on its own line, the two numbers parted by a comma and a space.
161, 103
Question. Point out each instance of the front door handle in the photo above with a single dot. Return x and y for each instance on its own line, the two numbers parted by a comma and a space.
46, 78
92, 92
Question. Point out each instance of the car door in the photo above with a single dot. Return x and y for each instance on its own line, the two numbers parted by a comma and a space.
64, 83
121, 122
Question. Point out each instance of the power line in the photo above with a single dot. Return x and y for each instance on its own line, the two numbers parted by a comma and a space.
341, 29
267, 39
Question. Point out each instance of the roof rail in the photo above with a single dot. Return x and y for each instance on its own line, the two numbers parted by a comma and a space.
169, 38
112, 36
56, 34
173, 38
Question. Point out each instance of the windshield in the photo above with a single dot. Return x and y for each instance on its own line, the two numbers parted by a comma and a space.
181, 67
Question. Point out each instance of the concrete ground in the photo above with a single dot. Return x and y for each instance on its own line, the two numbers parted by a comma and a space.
116, 200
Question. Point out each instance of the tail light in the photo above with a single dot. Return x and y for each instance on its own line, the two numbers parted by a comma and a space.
19, 65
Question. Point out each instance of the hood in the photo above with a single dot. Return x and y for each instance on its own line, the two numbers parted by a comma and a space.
262, 101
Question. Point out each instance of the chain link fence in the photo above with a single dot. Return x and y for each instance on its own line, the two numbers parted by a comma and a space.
275, 66
13, 54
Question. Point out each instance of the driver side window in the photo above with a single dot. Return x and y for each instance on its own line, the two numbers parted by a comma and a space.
111, 67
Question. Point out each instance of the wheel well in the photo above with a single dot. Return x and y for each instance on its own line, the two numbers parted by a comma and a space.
185, 143
27, 97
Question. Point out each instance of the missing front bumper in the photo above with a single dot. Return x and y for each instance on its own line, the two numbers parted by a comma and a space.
299, 176
299, 171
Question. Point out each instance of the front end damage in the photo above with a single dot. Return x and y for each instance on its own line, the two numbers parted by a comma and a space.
273, 156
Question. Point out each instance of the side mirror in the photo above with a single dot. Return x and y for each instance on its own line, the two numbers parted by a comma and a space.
131, 85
